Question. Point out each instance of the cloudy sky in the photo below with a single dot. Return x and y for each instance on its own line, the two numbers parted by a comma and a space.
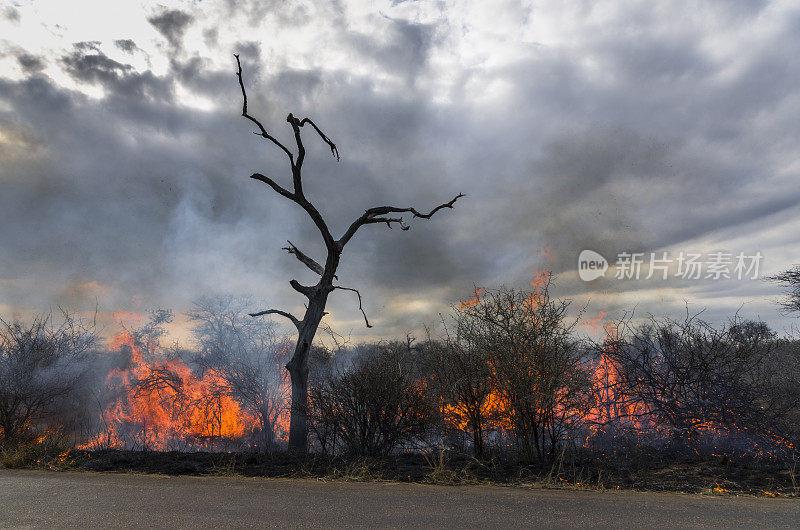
614, 126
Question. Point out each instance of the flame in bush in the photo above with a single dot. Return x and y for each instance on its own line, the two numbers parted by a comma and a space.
162, 404
612, 413
477, 292
495, 409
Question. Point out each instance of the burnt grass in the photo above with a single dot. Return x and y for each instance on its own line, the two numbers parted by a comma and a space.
645, 471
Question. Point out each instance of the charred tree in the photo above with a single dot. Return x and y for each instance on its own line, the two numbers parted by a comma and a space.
316, 295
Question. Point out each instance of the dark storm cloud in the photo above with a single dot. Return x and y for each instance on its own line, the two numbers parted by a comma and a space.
105, 217
142, 92
93, 67
655, 144
171, 24
195, 72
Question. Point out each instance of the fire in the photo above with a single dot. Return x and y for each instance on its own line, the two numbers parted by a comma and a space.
541, 278
477, 293
595, 323
613, 411
495, 409
546, 251
162, 404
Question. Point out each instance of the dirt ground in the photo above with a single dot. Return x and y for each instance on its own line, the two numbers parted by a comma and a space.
713, 477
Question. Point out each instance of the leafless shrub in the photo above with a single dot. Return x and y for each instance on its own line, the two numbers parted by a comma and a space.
372, 407
790, 280
462, 380
695, 382
41, 366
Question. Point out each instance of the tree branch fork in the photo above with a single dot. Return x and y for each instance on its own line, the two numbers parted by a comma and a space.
376, 215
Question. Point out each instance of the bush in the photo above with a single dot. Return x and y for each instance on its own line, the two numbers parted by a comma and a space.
41, 367
537, 368
372, 407
702, 385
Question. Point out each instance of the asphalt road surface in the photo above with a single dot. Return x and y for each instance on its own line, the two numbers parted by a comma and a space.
48, 499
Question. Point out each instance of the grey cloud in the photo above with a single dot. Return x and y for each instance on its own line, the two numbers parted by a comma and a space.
126, 45
94, 67
285, 13
144, 91
171, 24
139, 191
11, 13
404, 51
196, 73
210, 37
31, 63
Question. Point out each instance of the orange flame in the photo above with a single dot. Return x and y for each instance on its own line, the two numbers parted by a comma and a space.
475, 299
162, 404
595, 323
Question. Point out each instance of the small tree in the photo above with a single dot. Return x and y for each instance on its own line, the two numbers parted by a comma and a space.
537, 366
316, 295
462, 378
248, 355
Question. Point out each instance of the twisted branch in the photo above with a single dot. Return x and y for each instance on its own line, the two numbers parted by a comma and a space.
334, 151
305, 259
378, 215
360, 308
261, 128
274, 185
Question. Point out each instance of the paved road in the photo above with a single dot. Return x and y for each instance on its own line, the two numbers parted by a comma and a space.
36, 499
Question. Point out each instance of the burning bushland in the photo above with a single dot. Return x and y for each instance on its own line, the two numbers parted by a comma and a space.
226, 393
510, 378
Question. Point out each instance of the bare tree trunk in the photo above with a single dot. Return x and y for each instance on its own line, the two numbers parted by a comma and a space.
477, 439
298, 420
298, 369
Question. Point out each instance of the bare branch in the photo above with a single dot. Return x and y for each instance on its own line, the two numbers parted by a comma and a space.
274, 185
360, 308
305, 290
377, 215
316, 217
388, 221
334, 151
304, 203
790, 280
297, 195
290, 316
261, 128
305, 259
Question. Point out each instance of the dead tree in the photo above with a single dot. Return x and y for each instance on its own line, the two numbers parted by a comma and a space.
317, 294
